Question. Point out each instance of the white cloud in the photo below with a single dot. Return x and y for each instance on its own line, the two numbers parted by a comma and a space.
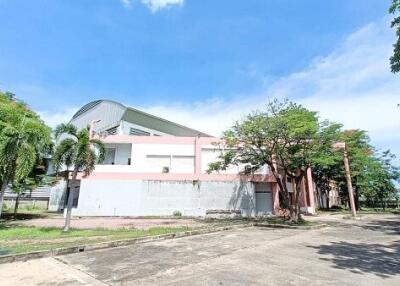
54, 118
352, 85
127, 3
156, 5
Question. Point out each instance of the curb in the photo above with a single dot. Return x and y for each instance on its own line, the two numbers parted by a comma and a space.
110, 244
272, 225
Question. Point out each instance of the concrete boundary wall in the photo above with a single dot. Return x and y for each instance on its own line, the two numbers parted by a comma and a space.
162, 198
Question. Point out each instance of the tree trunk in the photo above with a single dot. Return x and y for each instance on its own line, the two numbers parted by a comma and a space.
70, 200
294, 212
296, 191
295, 207
2, 191
357, 199
326, 199
16, 206
282, 187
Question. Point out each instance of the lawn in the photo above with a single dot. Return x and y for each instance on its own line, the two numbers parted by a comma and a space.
361, 211
19, 239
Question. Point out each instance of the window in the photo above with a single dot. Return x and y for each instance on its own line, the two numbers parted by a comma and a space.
112, 131
109, 157
138, 132
158, 163
182, 164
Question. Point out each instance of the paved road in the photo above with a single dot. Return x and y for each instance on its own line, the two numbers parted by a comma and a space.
363, 252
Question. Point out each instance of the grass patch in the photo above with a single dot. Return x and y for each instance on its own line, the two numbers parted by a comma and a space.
25, 212
361, 211
379, 211
19, 239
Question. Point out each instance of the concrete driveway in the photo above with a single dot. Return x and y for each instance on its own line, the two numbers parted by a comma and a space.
363, 252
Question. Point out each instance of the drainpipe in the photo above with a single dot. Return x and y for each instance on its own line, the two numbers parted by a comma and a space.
197, 157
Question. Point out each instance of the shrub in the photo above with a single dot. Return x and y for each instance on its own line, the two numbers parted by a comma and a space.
5, 207
177, 214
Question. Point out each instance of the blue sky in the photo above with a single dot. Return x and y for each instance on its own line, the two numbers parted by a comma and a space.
204, 63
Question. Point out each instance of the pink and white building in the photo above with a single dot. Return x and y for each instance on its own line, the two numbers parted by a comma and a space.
156, 167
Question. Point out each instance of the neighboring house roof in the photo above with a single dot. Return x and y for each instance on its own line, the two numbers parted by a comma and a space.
111, 113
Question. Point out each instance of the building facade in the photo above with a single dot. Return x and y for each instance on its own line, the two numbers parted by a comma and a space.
157, 167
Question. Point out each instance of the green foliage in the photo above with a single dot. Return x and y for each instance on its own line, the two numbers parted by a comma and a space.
76, 150
290, 139
5, 208
287, 137
395, 59
177, 214
372, 172
24, 139
19, 239
33, 207
79, 151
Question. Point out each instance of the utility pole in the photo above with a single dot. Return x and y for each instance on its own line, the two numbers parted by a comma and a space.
349, 185
342, 145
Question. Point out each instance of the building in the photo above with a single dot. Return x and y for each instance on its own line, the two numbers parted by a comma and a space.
156, 167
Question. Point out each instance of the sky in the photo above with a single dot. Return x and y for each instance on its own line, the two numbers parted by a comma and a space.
205, 63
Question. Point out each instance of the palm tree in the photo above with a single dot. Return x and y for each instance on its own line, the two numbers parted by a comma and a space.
23, 139
78, 150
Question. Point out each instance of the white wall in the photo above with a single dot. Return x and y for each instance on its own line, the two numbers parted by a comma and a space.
209, 155
150, 158
145, 198
179, 158
182, 164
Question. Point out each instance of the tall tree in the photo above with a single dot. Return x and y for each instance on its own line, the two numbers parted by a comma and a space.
23, 139
372, 172
79, 151
395, 59
288, 138
360, 153
377, 183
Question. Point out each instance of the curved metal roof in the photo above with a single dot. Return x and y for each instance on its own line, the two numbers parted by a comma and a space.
143, 119
92, 104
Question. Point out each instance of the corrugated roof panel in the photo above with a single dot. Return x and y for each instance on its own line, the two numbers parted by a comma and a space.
111, 113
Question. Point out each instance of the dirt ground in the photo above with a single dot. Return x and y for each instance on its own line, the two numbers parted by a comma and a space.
113, 222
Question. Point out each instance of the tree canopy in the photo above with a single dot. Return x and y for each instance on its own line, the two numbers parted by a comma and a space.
395, 59
372, 172
24, 139
76, 150
288, 138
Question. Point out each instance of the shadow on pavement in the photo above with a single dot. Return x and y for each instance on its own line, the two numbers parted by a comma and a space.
379, 259
388, 226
